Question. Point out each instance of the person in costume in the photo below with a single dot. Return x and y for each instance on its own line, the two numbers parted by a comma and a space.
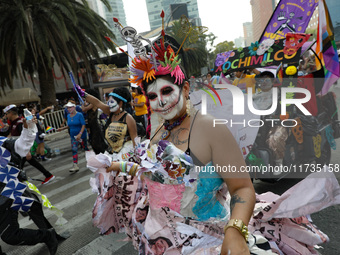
168, 92
16, 196
16, 127
76, 124
120, 126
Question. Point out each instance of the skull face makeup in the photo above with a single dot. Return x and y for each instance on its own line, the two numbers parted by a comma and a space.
112, 103
165, 98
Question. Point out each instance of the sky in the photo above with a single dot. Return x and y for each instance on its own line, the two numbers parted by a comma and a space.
224, 18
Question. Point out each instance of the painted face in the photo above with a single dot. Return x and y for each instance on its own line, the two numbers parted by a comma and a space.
112, 103
165, 98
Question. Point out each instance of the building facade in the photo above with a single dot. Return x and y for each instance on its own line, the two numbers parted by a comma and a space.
262, 10
172, 9
119, 13
248, 33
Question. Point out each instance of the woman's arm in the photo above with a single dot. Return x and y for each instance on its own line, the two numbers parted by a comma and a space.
132, 127
224, 151
87, 107
45, 110
78, 137
97, 103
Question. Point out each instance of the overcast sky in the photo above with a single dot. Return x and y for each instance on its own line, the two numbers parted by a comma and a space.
224, 18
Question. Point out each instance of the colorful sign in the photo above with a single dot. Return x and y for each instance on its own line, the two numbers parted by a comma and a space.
267, 53
289, 16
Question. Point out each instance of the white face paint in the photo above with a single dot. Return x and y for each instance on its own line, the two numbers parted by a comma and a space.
112, 103
165, 98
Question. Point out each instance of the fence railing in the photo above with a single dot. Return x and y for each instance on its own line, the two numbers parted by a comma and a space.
54, 120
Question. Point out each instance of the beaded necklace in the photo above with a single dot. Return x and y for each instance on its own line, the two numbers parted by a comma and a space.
168, 127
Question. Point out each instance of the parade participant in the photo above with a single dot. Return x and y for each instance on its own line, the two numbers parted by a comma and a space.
10, 231
16, 122
244, 80
76, 124
168, 191
141, 110
40, 150
78, 109
120, 126
96, 137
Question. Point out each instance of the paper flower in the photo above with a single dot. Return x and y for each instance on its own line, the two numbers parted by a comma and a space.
253, 48
13, 189
264, 46
5, 157
142, 69
22, 204
8, 173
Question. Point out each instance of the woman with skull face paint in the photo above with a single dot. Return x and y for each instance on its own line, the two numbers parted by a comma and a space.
120, 126
169, 177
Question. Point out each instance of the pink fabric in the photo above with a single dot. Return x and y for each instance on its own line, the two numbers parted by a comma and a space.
165, 195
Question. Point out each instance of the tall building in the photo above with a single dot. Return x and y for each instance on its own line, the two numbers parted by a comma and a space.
334, 10
248, 33
173, 9
119, 13
262, 10
239, 42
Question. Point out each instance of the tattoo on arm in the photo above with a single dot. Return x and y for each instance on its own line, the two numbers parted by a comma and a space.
235, 199
174, 137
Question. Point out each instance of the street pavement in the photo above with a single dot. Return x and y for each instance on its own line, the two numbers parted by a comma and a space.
72, 194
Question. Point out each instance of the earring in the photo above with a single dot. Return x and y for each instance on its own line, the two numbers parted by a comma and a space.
188, 106
121, 109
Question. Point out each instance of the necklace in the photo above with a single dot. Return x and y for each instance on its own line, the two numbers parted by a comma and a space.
168, 127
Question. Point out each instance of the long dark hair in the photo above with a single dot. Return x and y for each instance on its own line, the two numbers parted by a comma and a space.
123, 92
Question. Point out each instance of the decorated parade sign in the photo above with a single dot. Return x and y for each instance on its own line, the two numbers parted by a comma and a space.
268, 53
290, 16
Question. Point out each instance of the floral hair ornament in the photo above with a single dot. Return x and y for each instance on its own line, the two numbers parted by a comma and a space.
163, 59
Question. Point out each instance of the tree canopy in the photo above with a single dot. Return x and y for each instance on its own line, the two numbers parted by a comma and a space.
35, 34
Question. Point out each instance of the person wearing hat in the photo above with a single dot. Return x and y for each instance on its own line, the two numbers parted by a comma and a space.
15, 126
78, 109
76, 124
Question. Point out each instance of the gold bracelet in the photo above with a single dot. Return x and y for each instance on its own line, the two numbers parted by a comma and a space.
239, 225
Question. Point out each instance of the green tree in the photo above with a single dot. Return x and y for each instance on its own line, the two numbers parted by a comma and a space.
194, 48
224, 46
36, 33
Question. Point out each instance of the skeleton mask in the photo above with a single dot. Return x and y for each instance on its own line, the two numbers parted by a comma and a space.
128, 33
